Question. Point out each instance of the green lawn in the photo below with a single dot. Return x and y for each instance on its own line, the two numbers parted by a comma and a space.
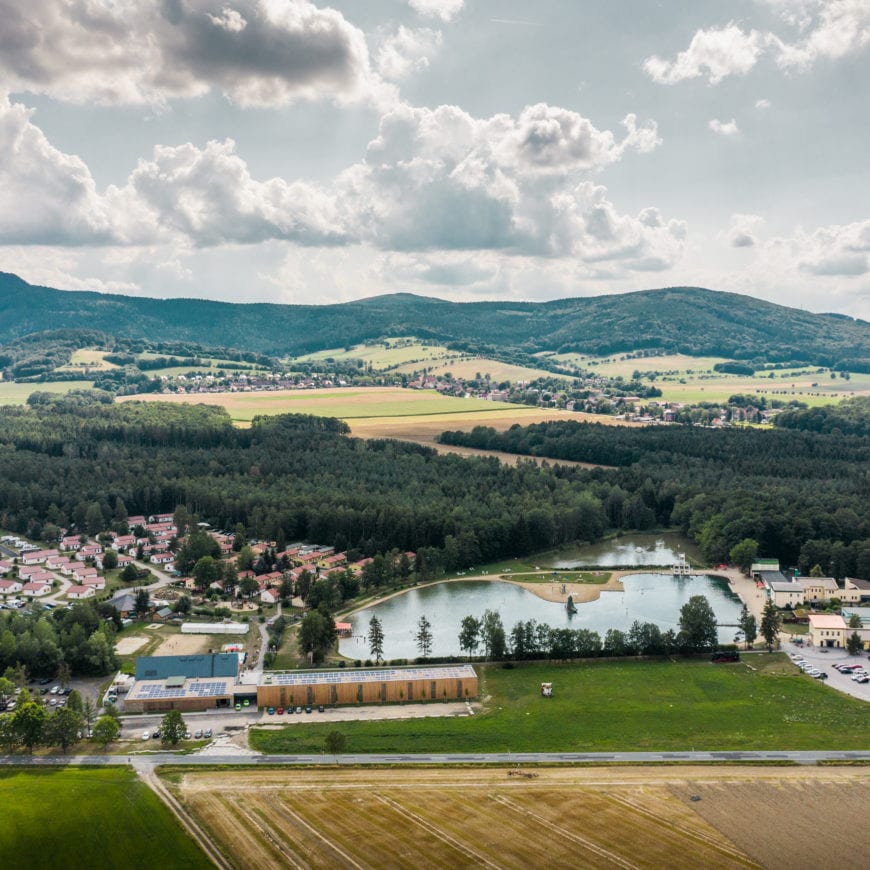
16, 394
608, 706
77, 817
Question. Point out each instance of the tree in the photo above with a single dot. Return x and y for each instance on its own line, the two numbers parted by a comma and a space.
74, 702
245, 560
110, 560
854, 621
129, 574
469, 634
143, 602
335, 743
248, 586
29, 721
7, 692
771, 621
64, 674
88, 711
493, 635
8, 734
698, 627
748, 626
313, 634
744, 554
854, 643
376, 638
816, 571
172, 728
106, 729
206, 571
424, 636
183, 605
63, 728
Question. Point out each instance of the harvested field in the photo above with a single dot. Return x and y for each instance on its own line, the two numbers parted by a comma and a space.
127, 645
564, 817
800, 823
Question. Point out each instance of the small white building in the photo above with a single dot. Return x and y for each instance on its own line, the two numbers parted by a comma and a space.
786, 594
827, 630
79, 592
36, 589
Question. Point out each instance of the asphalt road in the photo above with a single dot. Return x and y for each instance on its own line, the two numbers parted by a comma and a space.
507, 758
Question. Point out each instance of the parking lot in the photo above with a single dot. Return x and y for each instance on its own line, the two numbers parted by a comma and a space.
825, 658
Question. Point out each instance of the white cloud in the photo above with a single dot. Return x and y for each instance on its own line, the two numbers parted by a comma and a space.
724, 128
257, 52
433, 179
443, 180
828, 29
762, 105
714, 53
45, 195
446, 10
842, 250
743, 230
209, 197
407, 51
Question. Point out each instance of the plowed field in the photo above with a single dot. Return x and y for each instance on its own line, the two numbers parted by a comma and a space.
577, 817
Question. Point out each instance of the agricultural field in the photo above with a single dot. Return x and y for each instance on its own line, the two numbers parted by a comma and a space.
692, 379
759, 703
80, 817
469, 367
564, 817
17, 393
92, 359
387, 354
348, 404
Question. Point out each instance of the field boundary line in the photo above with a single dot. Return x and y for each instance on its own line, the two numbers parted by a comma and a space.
601, 851
260, 826
186, 820
724, 848
281, 807
435, 830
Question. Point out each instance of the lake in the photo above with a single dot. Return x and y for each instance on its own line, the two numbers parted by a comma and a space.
652, 551
647, 597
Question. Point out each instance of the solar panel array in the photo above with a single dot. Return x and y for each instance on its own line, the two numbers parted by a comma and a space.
382, 675
198, 689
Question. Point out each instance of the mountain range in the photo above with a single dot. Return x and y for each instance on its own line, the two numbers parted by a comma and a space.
688, 320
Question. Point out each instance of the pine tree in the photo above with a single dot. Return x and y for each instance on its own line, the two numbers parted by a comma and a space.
376, 639
424, 637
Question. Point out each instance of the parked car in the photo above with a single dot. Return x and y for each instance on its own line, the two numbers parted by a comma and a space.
198, 733
320, 709
298, 709
308, 709
155, 735
280, 711
270, 711
55, 690
146, 735
207, 732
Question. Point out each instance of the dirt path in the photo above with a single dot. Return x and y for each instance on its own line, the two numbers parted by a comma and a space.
186, 820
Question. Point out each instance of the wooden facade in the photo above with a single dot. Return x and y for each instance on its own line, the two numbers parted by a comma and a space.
368, 687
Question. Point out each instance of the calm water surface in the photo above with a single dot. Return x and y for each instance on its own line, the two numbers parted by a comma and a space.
648, 598
652, 551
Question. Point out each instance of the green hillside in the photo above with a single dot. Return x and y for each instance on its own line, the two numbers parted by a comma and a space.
677, 320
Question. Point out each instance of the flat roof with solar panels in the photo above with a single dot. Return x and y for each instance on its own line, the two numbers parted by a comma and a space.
366, 675
178, 688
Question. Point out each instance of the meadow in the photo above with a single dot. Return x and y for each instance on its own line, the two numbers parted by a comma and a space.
17, 393
387, 354
85, 817
762, 702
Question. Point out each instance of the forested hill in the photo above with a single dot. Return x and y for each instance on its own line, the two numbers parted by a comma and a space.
682, 319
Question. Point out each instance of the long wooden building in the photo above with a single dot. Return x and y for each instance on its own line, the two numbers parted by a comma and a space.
367, 686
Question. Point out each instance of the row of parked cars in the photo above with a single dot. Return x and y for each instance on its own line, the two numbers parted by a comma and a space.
199, 734
808, 668
857, 672
281, 711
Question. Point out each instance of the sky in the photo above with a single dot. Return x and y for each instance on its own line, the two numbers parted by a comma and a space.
288, 151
